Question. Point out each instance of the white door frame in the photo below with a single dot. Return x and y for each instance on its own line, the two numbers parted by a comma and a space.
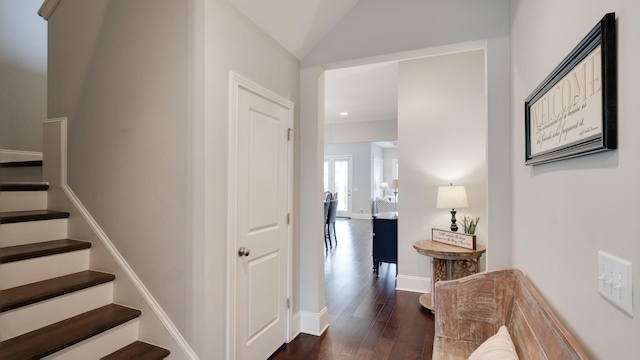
375, 183
236, 82
332, 159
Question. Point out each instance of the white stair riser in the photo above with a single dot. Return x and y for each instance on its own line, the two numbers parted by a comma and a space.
28, 318
7, 155
27, 271
23, 200
100, 345
32, 231
21, 174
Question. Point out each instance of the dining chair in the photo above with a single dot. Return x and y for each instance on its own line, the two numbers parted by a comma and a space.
331, 219
327, 204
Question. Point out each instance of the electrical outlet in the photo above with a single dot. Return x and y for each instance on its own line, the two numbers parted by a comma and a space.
614, 281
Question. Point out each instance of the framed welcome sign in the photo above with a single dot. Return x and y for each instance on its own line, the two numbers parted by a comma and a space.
573, 112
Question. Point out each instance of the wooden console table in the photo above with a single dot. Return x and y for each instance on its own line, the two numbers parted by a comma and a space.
448, 263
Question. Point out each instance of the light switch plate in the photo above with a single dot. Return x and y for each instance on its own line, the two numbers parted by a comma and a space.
614, 281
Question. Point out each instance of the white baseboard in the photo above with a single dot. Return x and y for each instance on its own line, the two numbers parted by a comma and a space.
361, 216
314, 323
56, 152
413, 283
133, 277
295, 326
102, 344
19, 155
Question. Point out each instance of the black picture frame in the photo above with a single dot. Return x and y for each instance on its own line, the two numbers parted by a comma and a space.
573, 112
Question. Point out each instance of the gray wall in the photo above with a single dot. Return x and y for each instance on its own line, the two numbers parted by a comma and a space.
362, 171
23, 75
123, 85
442, 139
145, 85
380, 30
231, 43
559, 234
381, 27
565, 212
362, 154
361, 131
388, 155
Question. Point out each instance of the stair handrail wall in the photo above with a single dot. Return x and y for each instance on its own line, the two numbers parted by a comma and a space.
155, 325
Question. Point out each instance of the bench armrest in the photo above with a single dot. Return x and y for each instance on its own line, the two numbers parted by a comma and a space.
473, 308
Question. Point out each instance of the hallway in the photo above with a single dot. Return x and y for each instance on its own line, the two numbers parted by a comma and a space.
368, 318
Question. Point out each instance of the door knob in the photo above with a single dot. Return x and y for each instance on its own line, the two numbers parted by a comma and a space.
243, 251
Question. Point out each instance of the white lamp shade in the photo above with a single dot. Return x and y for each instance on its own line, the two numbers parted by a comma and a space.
394, 184
452, 197
383, 185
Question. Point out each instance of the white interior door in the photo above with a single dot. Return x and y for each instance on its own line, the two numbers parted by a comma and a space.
338, 175
378, 177
342, 185
261, 225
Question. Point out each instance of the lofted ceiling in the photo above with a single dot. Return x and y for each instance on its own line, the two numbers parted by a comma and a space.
297, 25
366, 93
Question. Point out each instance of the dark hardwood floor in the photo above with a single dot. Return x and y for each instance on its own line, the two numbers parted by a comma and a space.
368, 318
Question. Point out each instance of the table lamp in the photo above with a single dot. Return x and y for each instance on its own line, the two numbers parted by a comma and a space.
394, 187
452, 197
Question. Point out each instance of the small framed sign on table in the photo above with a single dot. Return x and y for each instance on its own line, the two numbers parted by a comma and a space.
467, 241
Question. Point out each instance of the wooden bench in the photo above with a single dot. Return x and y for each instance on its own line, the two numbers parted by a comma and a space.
471, 309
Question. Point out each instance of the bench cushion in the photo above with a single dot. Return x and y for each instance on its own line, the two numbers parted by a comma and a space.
452, 349
499, 346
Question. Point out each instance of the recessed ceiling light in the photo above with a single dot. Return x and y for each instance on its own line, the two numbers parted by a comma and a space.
344, 113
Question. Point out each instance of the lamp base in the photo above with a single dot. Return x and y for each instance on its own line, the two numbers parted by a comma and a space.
454, 227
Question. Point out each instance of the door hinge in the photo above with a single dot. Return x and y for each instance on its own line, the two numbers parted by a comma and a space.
288, 304
288, 218
289, 134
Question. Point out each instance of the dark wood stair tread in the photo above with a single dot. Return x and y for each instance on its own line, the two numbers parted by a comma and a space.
24, 187
19, 296
27, 163
49, 339
31, 215
140, 351
29, 251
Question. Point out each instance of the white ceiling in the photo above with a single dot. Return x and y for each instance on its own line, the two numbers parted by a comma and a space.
297, 25
367, 93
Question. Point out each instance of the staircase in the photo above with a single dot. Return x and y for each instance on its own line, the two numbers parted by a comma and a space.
52, 305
